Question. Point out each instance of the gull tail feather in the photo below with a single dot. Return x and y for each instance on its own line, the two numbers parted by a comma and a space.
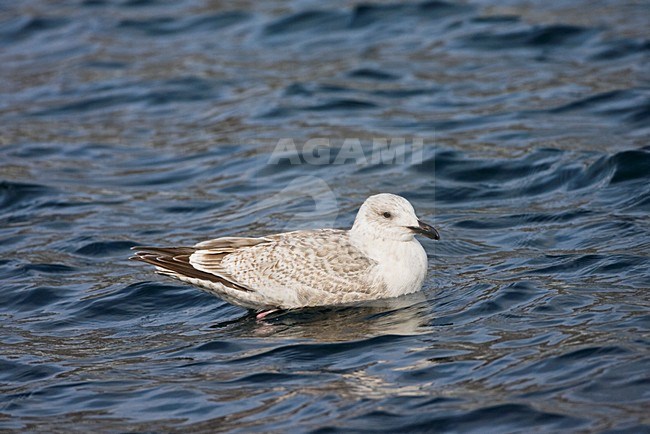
175, 262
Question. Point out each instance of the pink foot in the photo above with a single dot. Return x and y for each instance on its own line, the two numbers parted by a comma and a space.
265, 313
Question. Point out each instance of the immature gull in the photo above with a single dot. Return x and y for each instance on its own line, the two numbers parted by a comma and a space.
378, 258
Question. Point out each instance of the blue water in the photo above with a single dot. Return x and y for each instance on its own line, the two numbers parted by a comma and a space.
135, 122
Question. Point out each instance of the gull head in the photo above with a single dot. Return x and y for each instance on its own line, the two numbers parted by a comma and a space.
390, 217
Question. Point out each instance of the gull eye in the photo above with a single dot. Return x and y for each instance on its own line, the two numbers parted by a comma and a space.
387, 215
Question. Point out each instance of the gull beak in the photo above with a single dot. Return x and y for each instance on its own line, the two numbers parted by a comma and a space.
426, 230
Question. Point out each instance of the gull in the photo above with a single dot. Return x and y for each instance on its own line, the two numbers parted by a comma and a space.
377, 258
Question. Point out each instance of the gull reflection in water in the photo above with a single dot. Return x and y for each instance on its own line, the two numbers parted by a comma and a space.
406, 315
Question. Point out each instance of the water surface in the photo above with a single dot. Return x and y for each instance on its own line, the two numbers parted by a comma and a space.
151, 122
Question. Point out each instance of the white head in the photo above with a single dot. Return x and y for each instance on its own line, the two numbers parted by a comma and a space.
390, 217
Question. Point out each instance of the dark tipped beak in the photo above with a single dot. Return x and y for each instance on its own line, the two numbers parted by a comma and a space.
426, 230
